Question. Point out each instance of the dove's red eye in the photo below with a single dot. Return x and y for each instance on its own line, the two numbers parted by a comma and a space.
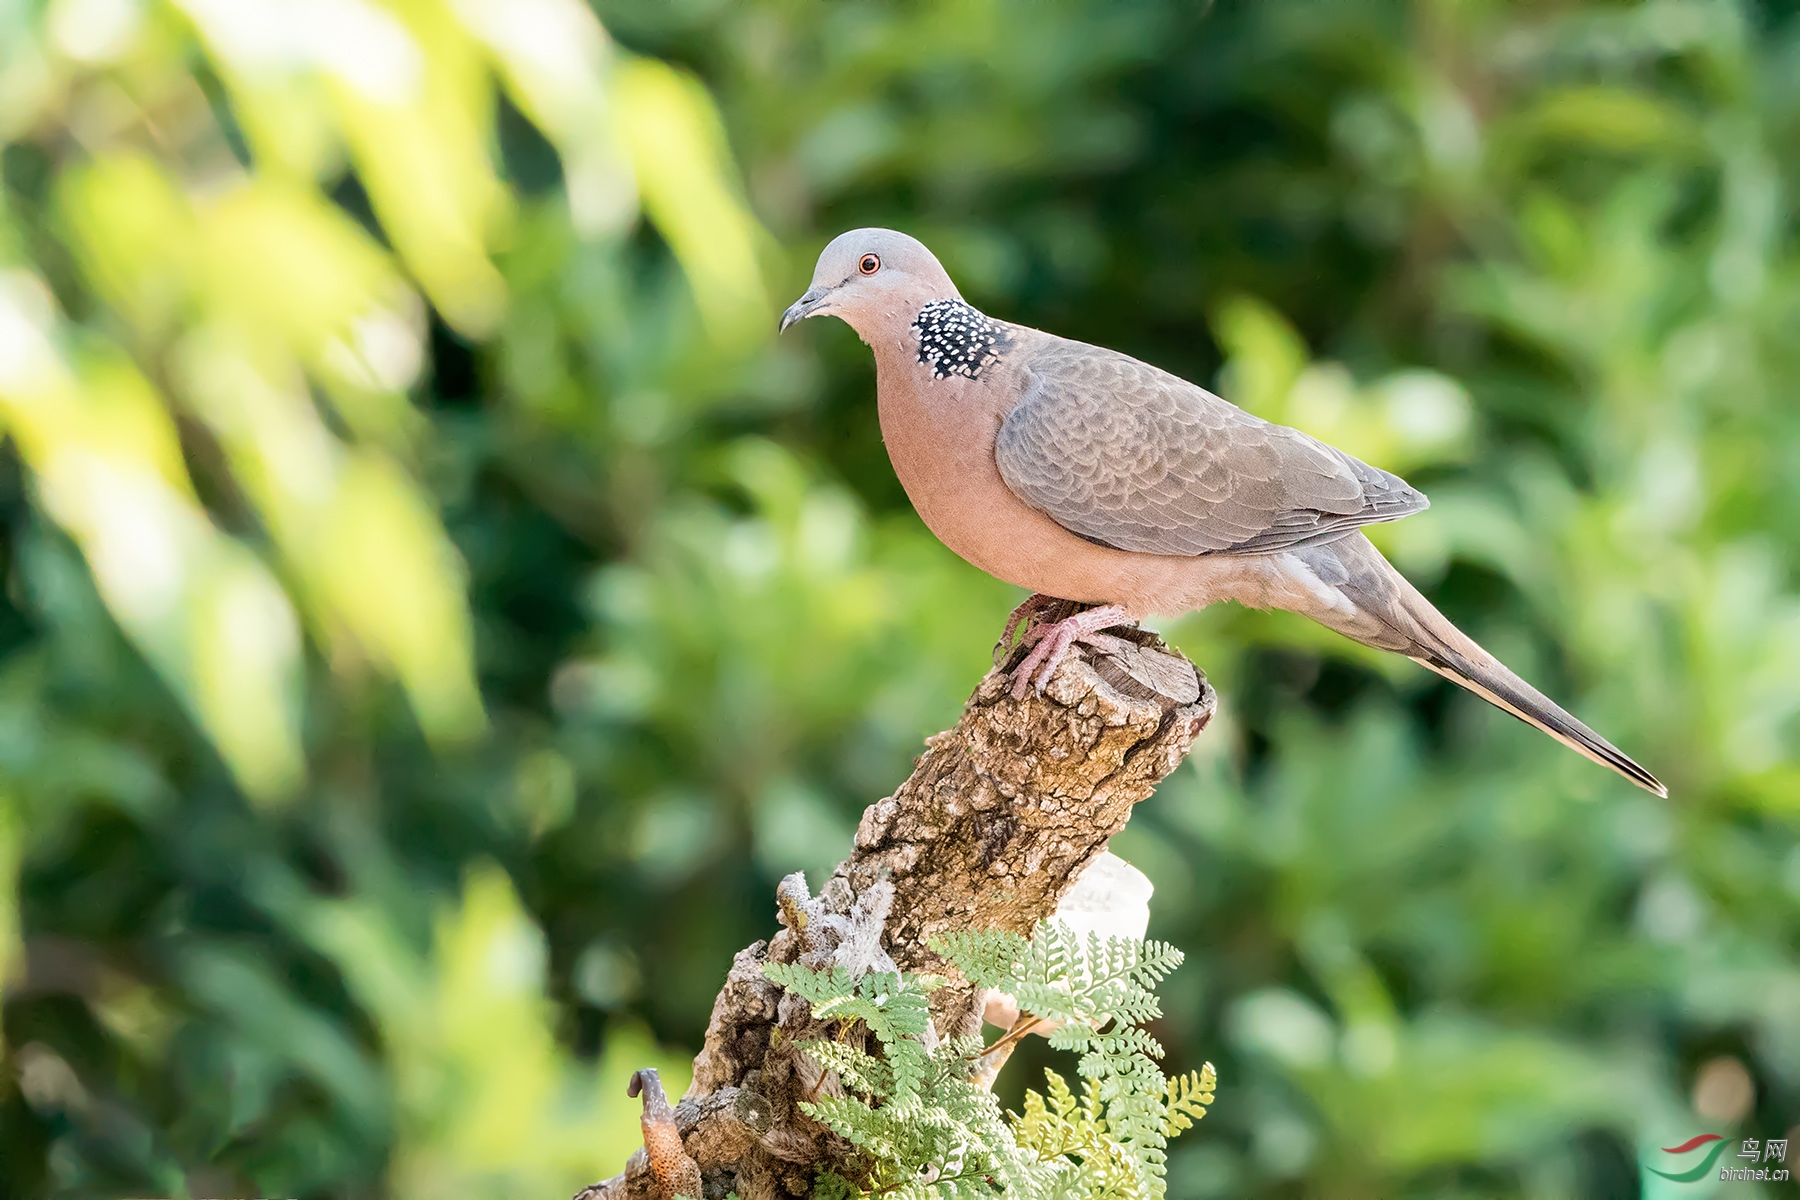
869, 264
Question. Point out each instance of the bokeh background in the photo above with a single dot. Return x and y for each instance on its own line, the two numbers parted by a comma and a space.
437, 608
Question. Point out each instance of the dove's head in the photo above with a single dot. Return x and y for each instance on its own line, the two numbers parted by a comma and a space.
871, 278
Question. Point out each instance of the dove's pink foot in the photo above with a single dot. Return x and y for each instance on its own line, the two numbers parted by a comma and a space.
1053, 642
1034, 606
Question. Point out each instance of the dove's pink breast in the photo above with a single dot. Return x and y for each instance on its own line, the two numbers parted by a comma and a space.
940, 436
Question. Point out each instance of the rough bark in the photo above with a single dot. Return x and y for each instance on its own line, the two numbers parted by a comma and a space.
999, 817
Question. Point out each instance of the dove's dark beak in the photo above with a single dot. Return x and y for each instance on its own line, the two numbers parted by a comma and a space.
805, 306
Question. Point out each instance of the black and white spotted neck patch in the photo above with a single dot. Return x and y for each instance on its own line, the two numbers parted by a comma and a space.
955, 339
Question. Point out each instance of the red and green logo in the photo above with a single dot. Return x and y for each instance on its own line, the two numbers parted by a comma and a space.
1706, 1163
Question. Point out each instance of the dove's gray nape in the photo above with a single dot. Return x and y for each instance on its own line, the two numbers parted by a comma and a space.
1131, 457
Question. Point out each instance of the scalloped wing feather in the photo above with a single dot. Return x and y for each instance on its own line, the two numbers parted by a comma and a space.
1129, 456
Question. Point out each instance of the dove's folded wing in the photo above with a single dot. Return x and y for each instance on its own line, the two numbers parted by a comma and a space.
1132, 457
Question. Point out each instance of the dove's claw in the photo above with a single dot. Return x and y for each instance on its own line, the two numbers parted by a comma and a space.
1049, 643
1034, 606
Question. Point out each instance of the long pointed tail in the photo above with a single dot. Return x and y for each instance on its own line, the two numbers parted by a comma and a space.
1387, 612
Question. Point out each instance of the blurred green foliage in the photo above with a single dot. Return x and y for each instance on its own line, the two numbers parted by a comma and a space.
437, 609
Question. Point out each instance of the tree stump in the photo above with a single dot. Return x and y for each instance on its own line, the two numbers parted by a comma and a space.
999, 817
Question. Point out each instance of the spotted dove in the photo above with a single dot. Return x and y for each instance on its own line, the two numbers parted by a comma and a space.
1084, 475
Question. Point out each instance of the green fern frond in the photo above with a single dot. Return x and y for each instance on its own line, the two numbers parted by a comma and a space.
817, 987
1156, 960
858, 1069
929, 1132
1187, 1099
1064, 1129
862, 1125
985, 957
